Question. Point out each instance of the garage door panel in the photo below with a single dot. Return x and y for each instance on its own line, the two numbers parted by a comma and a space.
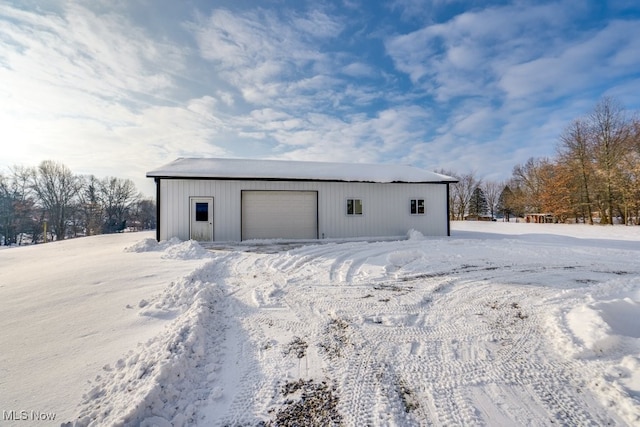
279, 214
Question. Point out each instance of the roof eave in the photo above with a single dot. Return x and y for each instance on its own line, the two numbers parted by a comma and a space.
228, 178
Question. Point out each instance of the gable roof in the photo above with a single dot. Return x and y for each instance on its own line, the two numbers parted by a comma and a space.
285, 170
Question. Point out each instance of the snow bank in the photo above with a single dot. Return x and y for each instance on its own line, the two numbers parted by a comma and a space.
599, 326
604, 326
187, 250
68, 308
155, 384
415, 235
151, 245
173, 248
601, 320
160, 383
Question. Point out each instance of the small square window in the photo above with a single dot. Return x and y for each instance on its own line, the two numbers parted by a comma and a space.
354, 207
202, 211
417, 206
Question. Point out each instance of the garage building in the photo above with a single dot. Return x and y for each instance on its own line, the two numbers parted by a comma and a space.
214, 199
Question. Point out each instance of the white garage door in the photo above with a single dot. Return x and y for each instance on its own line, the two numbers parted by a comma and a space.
279, 214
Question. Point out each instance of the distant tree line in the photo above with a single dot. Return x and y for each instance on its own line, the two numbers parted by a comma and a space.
71, 205
595, 176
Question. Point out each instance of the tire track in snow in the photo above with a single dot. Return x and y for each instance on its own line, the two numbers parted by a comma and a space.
465, 342
363, 374
359, 389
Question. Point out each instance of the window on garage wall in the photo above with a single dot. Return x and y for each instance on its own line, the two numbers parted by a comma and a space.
354, 207
417, 207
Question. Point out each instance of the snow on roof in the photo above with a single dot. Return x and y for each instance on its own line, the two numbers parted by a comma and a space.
294, 170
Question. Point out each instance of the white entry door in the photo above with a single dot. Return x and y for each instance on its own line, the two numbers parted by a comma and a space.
201, 219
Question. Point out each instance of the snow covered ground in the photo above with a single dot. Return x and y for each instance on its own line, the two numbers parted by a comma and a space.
500, 324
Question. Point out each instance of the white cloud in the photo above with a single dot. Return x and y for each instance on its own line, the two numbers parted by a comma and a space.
139, 142
358, 69
268, 57
474, 122
607, 54
103, 55
422, 9
465, 55
523, 50
93, 91
226, 97
318, 25
384, 137
507, 79
251, 39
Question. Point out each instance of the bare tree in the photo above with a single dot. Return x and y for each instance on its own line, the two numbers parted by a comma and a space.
55, 187
143, 213
628, 176
517, 200
576, 152
116, 195
635, 146
527, 178
611, 134
492, 192
465, 187
90, 207
453, 193
505, 203
15, 204
460, 193
555, 189
7, 228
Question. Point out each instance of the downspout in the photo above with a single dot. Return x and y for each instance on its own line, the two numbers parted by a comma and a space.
448, 215
157, 180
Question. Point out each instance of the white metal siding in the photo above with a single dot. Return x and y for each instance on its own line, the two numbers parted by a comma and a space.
279, 214
385, 207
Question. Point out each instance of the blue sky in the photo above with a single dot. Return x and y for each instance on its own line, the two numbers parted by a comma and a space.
120, 87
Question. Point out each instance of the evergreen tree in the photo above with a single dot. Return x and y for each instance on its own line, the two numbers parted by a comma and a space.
478, 204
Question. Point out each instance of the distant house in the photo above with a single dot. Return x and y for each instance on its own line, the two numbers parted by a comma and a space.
478, 218
540, 218
212, 199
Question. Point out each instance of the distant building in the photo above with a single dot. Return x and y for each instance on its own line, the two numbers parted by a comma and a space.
540, 218
212, 199
478, 218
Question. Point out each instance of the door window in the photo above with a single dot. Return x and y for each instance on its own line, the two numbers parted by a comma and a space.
202, 211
